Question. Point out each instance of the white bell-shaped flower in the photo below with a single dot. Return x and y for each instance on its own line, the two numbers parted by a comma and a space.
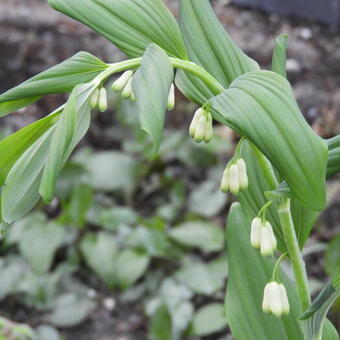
225, 180
242, 167
192, 129
234, 179
255, 234
275, 299
268, 240
102, 101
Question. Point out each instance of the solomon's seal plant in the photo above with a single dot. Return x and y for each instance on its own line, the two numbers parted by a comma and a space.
278, 173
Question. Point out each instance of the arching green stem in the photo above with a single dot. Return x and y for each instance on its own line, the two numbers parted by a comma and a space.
184, 65
294, 252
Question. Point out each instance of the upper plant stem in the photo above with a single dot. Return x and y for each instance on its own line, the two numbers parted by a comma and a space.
294, 252
185, 65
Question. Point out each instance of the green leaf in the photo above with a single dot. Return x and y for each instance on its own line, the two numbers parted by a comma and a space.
249, 272
130, 24
61, 78
21, 190
100, 253
130, 267
201, 278
333, 165
260, 105
210, 46
13, 146
207, 200
209, 320
161, 324
151, 85
70, 310
62, 138
22, 185
315, 315
332, 255
280, 55
110, 170
33, 243
207, 236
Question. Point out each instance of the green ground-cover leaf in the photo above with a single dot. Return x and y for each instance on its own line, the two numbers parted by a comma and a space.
206, 236
130, 24
260, 105
33, 243
249, 272
333, 165
209, 319
61, 78
151, 86
100, 253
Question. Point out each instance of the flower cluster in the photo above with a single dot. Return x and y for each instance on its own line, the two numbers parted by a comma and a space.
201, 128
124, 85
262, 236
99, 99
275, 299
235, 177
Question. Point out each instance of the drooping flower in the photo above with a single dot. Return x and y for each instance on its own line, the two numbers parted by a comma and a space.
171, 98
275, 299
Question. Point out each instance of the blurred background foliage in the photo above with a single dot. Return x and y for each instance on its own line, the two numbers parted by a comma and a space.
132, 247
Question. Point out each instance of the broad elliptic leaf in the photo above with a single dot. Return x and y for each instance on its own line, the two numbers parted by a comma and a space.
260, 105
100, 252
61, 78
209, 319
209, 46
33, 243
207, 236
13, 146
130, 266
280, 55
151, 85
130, 24
249, 272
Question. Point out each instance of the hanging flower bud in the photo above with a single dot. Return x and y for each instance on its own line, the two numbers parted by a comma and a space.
192, 129
200, 129
234, 179
242, 167
171, 98
268, 240
102, 102
275, 300
255, 234
94, 99
121, 82
225, 180
208, 134
127, 91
